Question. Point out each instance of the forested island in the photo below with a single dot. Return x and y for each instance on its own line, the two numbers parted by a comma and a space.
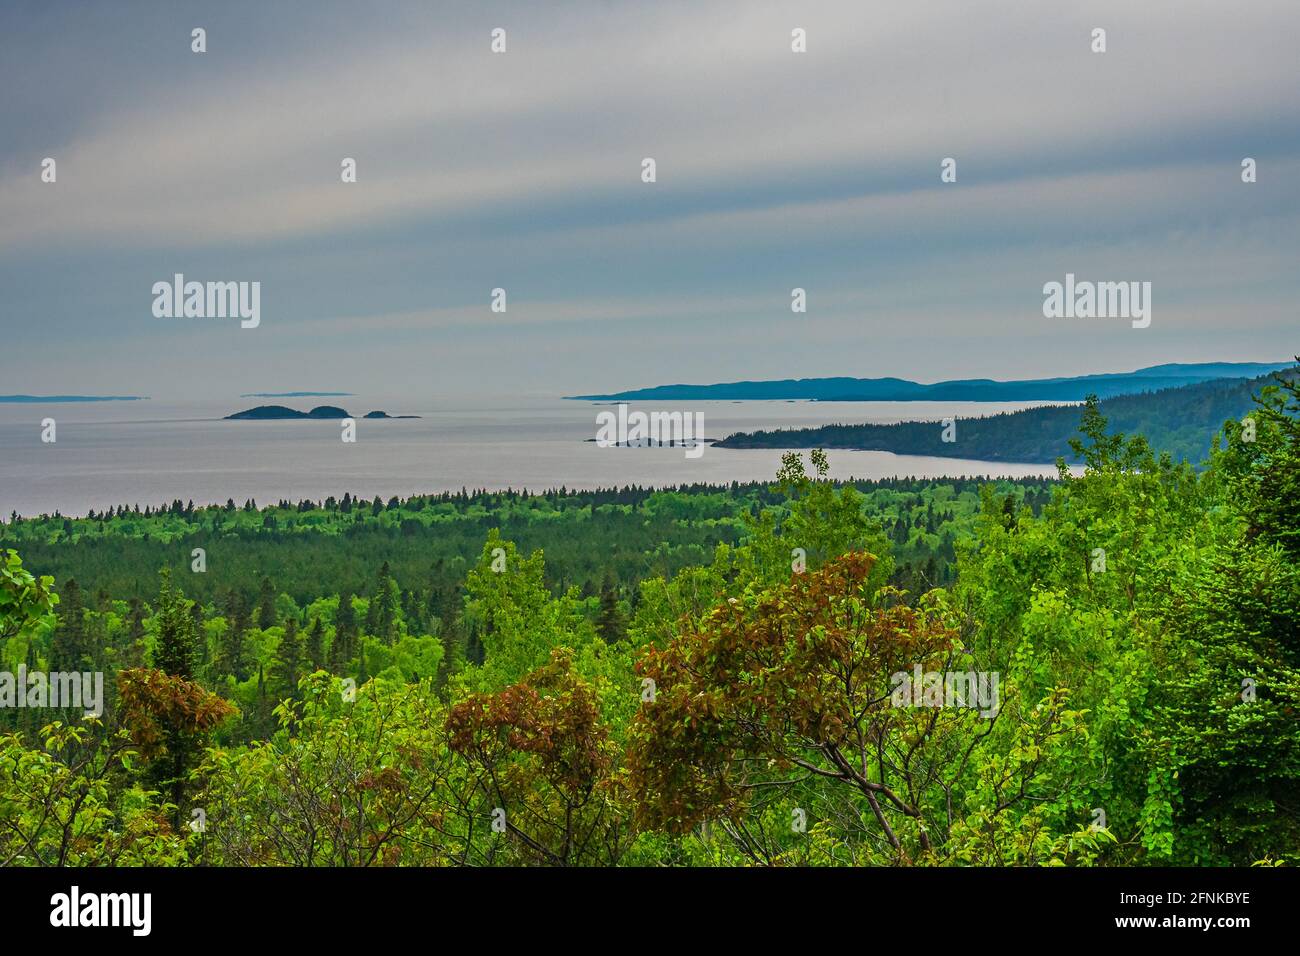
320, 412
1179, 421
703, 676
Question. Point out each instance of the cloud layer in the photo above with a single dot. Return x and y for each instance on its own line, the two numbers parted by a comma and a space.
775, 170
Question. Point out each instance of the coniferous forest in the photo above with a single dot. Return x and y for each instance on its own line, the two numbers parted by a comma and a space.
724, 676
649, 473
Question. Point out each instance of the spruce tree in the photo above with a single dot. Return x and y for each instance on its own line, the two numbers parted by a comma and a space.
174, 651
287, 666
316, 645
201, 654
609, 620
29, 720
345, 633
69, 647
133, 655
174, 655
232, 656
262, 717
381, 617
266, 604
333, 659
362, 676
453, 643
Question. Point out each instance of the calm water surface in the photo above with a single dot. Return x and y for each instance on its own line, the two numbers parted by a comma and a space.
151, 452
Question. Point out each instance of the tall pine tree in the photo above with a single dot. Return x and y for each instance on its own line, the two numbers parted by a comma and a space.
316, 645
266, 604
174, 655
69, 647
288, 664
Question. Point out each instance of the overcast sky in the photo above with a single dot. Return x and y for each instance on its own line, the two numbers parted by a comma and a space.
522, 170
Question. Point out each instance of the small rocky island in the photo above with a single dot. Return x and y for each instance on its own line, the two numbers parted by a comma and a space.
280, 412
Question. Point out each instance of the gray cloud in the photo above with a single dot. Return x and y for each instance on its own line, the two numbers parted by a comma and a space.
522, 171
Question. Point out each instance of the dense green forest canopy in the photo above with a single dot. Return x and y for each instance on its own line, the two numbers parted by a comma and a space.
1106, 671
311, 548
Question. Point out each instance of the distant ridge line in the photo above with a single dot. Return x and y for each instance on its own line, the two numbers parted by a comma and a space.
846, 389
25, 399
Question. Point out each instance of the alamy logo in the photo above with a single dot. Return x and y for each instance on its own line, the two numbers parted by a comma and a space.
639, 429
208, 300
973, 689
1098, 300
103, 909
39, 690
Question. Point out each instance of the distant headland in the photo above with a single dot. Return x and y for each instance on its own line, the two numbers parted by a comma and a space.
296, 395
32, 399
320, 412
1071, 389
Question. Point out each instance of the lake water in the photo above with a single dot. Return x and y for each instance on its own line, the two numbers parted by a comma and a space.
151, 452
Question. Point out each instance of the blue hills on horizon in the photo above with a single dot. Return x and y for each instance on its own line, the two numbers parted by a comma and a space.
845, 389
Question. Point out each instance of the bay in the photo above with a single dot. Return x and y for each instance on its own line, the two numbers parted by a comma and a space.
151, 452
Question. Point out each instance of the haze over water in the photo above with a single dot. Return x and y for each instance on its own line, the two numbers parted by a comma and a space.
151, 452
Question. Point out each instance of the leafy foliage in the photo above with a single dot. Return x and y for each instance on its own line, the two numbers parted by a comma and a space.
793, 675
